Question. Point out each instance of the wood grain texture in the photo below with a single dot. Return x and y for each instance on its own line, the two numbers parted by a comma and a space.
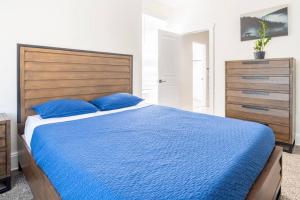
274, 62
5, 151
257, 117
263, 110
277, 62
259, 86
259, 71
268, 184
60, 57
47, 84
268, 84
270, 103
52, 73
71, 67
259, 79
2, 131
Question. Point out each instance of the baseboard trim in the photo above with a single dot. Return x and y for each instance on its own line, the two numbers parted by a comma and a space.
297, 139
14, 161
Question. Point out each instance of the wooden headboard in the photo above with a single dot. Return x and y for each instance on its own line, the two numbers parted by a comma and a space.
46, 73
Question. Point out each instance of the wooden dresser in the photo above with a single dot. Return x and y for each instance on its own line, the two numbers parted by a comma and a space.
264, 91
5, 180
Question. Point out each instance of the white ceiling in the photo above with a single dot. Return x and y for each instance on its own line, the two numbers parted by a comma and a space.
171, 2
176, 3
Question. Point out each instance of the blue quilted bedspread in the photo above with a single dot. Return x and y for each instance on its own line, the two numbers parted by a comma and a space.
153, 152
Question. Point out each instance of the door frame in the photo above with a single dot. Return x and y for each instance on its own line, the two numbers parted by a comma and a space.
211, 76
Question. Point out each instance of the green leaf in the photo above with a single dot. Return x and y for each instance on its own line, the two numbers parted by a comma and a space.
263, 40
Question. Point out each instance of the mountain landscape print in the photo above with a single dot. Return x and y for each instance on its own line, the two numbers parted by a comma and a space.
276, 18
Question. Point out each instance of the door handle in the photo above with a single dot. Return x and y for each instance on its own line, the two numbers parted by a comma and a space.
161, 81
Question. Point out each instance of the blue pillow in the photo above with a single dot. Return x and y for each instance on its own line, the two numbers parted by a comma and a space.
116, 101
64, 108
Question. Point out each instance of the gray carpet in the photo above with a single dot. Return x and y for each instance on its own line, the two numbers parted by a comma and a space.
290, 183
20, 190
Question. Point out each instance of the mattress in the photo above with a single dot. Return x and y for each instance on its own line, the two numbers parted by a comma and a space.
153, 152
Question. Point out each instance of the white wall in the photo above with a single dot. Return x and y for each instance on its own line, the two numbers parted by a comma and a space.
226, 16
98, 25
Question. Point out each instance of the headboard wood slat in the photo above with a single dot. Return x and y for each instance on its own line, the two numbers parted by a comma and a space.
47, 73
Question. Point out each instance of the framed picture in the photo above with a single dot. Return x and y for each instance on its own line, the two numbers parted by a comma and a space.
276, 19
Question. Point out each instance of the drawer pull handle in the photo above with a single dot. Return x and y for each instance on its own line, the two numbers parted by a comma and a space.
255, 77
263, 123
255, 62
255, 107
255, 92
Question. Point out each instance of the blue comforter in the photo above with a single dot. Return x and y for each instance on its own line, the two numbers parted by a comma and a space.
153, 152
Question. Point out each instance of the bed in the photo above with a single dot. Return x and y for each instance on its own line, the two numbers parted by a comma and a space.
183, 159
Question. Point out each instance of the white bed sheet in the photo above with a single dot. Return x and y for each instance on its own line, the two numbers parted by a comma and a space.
34, 121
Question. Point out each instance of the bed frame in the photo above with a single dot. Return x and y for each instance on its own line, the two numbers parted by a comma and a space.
46, 73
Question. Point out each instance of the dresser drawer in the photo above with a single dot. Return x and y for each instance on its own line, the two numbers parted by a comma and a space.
2, 163
259, 94
258, 82
259, 79
2, 131
258, 86
282, 137
259, 110
281, 132
2, 142
260, 98
256, 72
258, 64
258, 113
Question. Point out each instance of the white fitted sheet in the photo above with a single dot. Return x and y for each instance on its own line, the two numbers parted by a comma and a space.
34, 121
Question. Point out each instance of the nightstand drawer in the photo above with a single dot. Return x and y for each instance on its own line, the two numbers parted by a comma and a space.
5, 179
2, 131
2, 169
2, 142
2, 157
2, 163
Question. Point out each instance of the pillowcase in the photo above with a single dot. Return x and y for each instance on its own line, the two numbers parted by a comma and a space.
64, 108
116, 101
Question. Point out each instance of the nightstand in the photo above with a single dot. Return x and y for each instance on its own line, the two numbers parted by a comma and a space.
5, 179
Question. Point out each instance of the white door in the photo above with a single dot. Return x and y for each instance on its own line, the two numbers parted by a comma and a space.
169, 60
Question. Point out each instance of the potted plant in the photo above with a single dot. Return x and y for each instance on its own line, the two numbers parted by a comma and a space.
262, 42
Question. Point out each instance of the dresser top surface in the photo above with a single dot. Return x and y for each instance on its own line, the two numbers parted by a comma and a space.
260, 60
